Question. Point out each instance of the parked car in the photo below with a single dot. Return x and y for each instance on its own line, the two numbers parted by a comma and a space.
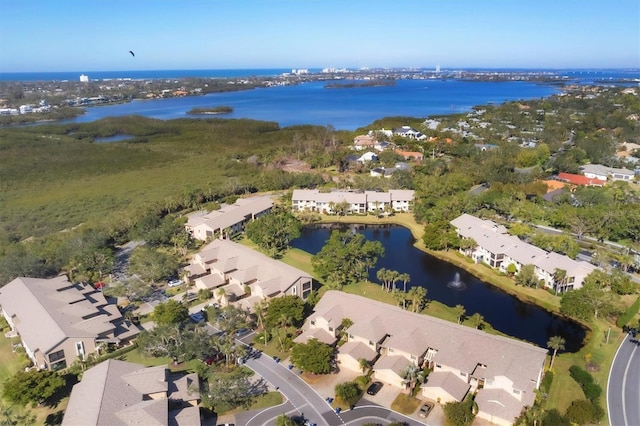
175, 283
425, 409
197, 317
374, 388
241, 332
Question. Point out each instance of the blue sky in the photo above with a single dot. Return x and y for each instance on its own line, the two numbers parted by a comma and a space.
92, 35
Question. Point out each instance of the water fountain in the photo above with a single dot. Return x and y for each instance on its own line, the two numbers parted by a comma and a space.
456, 283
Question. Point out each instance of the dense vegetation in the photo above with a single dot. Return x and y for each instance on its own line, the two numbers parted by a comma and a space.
66, 203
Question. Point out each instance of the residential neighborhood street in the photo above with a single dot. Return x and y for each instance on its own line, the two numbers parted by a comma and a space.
623, 388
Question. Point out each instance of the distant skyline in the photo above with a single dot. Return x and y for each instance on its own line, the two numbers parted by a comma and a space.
97, 35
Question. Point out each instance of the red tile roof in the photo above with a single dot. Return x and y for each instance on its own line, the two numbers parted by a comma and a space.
580, 180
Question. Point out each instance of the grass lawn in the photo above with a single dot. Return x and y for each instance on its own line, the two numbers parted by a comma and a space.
12, 362
405, 404
138, 358
598, 353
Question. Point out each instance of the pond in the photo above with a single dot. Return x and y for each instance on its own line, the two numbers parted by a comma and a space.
448, 284
114, 138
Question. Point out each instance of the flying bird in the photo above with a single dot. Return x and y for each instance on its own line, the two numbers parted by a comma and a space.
132, 54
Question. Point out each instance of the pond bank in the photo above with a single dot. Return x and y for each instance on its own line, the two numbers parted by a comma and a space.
538, 297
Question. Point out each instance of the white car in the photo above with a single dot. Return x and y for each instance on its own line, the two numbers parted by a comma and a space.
175, 283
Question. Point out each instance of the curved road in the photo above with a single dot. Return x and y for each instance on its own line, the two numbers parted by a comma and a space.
303, 400
623, 387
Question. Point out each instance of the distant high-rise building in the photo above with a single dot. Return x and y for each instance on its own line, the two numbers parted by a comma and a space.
84, 78
437, 68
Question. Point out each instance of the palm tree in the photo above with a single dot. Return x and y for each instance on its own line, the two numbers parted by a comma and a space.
460, 311
477, 320
405, 278
410, 375
557, 344
364, 365
222, 294
384, 275
559, 278
418, 296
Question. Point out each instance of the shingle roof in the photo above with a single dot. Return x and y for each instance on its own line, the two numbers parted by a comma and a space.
51, 310
449, 382
499, 403
457, 346
250, 267
230, 215
116, 393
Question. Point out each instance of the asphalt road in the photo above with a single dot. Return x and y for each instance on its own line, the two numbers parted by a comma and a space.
623, 387
303, 400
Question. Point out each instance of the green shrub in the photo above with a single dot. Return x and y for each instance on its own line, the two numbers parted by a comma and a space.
362, 381
584, 412
629, 314
591, 389
545, 385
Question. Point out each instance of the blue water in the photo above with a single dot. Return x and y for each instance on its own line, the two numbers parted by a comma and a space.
503, 311
344, 109
579, 75
311, 103
139, 75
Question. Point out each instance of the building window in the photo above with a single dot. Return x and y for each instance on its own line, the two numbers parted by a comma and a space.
80, 349
56, 356
294, 290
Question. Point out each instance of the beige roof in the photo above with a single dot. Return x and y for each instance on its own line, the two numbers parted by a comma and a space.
449, 382
48, 311
117, 393
358, 350
457, 346
494, 238
250, 266
184, 388
396, 363
316, 333
230, 215
499, 403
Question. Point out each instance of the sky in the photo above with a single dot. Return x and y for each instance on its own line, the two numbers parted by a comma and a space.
97, 35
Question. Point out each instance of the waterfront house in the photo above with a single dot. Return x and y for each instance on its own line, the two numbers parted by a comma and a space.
496, 248
60, 322
397, 200
245, 275
503, 373
124, 393
410, 133
229, 219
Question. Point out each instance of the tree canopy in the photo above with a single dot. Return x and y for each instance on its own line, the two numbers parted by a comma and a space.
273, 232
346, 258
313, 356
32, 387
170, 312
